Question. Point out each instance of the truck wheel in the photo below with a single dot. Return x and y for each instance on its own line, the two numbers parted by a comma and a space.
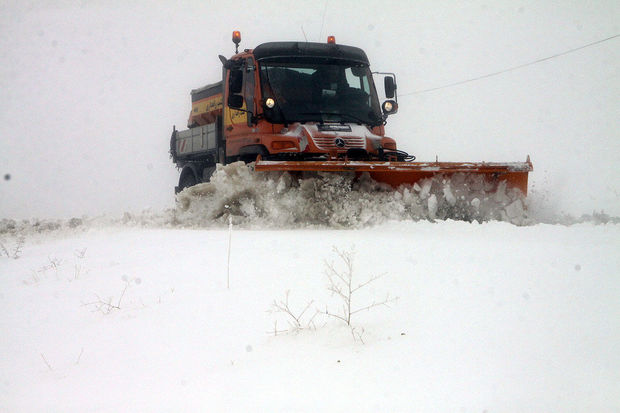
188, 179
207, 173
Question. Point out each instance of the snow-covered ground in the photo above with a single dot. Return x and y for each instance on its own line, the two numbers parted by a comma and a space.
517, 311
489, 317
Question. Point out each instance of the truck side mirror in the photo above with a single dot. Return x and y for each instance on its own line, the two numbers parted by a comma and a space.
390, 87
235, 85
235, 101
225, 62
235, 81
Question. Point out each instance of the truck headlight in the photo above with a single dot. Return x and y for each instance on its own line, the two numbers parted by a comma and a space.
389, 107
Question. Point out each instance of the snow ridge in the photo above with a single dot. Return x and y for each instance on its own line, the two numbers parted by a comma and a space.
324, 200
336, 200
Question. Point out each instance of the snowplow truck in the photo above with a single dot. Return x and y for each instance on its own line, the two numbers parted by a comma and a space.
303, 106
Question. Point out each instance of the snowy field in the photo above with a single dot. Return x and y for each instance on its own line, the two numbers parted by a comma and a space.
115, 299
488, 317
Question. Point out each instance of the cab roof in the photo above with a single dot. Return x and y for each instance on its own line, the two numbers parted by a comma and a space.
283, 50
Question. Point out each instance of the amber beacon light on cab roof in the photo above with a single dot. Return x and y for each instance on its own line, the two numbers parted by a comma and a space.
303, 106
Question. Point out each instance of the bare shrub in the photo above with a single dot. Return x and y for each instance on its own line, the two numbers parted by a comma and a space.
105, 306
14, 252
80, 254
341, 284
78, 267
295, 319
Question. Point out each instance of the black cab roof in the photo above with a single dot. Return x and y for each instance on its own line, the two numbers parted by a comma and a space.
284, 50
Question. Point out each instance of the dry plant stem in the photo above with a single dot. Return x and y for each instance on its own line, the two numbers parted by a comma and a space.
4, 250
230, 225
46, 363
341, 284
106, 307
275, 330
55, 263
77, 272
122, 295
79, 357
385, 302
17, 250
296, 323
79, 254
357, 334
18, 247
35, 277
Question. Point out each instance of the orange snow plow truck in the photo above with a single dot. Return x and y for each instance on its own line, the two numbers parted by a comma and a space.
301, 106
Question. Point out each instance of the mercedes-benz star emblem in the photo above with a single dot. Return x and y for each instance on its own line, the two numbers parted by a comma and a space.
340, 142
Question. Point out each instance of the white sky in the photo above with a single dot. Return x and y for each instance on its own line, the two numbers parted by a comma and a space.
90, 90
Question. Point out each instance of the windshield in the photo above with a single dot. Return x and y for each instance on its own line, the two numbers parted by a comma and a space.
320, 92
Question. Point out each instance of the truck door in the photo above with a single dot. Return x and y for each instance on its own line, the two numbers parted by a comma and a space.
241, 141
241, 83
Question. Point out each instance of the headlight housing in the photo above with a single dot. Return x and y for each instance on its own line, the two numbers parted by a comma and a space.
389, 107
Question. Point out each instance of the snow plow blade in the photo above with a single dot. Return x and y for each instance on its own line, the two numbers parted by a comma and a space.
515, 174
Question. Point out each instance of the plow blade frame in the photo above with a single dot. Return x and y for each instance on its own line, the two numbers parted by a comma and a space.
398, 173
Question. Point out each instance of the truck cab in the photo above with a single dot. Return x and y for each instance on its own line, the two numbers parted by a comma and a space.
295, 100
286, 101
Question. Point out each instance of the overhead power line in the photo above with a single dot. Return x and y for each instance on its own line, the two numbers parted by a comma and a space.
510, 69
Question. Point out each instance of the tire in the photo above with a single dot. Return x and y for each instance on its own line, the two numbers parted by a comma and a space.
207, 173
188, 179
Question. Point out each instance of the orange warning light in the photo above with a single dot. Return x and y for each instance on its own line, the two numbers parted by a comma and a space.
236, 37
331, 39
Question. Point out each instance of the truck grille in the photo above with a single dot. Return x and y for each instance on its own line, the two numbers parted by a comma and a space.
329, 142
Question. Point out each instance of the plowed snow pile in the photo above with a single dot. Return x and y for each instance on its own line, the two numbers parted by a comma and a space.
337, 200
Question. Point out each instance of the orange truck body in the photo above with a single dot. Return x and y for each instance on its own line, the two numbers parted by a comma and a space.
299, 106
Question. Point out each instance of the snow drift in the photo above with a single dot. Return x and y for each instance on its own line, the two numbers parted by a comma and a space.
491, 316
325, 200
337, 200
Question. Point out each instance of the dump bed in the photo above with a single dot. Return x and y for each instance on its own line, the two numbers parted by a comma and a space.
206, 104
196, 141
